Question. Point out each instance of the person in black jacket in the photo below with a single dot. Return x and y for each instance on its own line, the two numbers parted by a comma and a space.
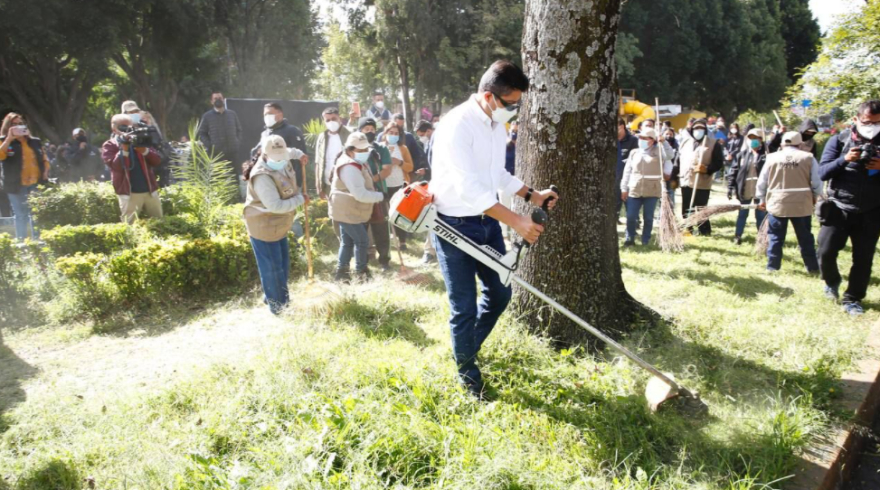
732, 147
276, 123
220, 131
742, 180
808, 130
626, 143
852, 211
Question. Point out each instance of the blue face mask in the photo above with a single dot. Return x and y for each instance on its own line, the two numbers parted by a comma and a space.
362, 157
644, 144
276, 166
393, 139
135, 118
755, 144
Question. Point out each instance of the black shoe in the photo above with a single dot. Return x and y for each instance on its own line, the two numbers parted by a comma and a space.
628, 243
363, 276
343, 276
737, 240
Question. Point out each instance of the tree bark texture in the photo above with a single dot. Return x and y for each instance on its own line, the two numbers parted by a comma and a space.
568, 137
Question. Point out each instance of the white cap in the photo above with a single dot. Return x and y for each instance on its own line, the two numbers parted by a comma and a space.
648, 133
128, 106
792, 138
756, 132
275, 148
358, 140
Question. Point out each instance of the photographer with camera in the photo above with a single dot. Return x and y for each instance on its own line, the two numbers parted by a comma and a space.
23, 165
851, 166
132, 163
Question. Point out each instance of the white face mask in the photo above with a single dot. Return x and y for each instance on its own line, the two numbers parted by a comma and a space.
269, 119
699, 133
423, 139
380, 104
734, 131
333, 126
501, 114
868, 131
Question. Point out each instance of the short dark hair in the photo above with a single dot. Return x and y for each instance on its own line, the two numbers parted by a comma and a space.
504, 77
330, 110
398, 116
646, 120
274, 105
621, 121
367, 121
872, 107
424, 125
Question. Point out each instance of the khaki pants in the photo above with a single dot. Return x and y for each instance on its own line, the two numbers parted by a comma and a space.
140, 203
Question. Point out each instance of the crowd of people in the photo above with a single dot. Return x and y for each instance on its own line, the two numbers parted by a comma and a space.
361, 161
780, 175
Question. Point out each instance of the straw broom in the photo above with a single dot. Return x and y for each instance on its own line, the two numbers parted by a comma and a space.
706, 213
762, 241
316, 298
669, 236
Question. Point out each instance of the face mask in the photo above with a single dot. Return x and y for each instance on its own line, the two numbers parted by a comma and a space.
734, 131
362, 157
135, 118
333, 126
755, 144
502, 115
699, 133
218, 103
424, 139
82, 138
380, 105
269, 119
393, 139
868, 131
644, 144
808, 136
371, 137
276, 166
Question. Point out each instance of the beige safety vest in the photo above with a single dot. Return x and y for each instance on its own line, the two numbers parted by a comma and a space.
260, 222
789, 193
693, 154
646, 174
750, 187
344, 208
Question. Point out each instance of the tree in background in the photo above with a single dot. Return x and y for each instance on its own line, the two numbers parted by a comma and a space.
800, 30
51, 58
568, 137
847, 71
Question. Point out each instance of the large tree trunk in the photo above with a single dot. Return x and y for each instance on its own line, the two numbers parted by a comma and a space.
568, 138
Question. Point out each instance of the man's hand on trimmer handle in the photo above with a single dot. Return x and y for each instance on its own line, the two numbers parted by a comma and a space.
528, 229
539, 197
532, 226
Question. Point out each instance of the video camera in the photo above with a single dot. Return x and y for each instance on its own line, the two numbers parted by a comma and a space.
141, 135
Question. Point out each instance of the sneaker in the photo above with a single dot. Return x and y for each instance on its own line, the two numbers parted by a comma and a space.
428, 259
628, 243
854, 308
737, 240
343, 276
832, 292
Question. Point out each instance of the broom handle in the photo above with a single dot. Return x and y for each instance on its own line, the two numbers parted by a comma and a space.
696, 183
598, 333
308, 230
778, 120
660, 144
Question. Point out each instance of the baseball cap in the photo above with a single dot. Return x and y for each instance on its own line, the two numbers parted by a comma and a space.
275, 148
357, 140
128, 106
792, 138
648, 133
757, 133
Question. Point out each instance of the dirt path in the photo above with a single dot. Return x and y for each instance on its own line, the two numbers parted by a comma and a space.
111, 365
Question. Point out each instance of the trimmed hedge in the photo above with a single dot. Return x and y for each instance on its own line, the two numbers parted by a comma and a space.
80, 203
184, 225
100, 239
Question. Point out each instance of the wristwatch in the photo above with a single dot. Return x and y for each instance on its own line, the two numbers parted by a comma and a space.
529, 194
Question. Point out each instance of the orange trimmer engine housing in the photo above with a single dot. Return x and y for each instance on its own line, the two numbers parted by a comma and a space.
410, 206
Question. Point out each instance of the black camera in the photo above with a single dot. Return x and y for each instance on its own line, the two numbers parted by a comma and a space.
867, 152
141, 135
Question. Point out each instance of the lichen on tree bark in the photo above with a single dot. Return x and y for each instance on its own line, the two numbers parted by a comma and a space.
568, 137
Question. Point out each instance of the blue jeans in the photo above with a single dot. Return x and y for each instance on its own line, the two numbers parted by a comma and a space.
776, 234
24, 222
470, 322
744, 215
273, 262
354, 241
633, 206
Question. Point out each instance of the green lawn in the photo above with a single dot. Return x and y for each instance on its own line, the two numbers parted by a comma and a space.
367, 399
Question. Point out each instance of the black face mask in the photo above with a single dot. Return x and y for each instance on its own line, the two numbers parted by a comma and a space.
371, 137
82, 138
808, 136
218, 103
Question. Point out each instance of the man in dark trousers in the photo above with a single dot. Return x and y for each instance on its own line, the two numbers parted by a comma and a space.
220, 131
468, 172
852, 211
700, 156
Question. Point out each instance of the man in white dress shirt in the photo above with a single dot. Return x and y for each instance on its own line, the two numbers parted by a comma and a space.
469, 151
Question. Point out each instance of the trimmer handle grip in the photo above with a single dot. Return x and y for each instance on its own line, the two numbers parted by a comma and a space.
546, 205
539, 216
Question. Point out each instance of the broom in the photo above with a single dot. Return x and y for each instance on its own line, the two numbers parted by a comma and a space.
669, 237
762, 241
706, 213
694, 190
316, 298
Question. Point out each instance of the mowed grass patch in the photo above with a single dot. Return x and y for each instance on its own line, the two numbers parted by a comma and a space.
368, 398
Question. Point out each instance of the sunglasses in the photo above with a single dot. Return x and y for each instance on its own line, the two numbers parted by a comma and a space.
507, 105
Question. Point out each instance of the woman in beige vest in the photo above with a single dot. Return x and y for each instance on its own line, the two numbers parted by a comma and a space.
641, 185
272, 198
352, 195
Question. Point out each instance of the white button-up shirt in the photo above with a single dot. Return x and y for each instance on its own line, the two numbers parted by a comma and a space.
467, 168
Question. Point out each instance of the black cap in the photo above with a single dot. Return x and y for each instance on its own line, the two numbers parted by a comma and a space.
367, 121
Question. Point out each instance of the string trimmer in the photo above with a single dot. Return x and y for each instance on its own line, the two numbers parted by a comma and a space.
412, 210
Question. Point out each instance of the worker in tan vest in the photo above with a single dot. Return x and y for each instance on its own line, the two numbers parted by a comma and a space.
788, 187
641, 186
742, 180
272, 199
352, 195
699, 156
